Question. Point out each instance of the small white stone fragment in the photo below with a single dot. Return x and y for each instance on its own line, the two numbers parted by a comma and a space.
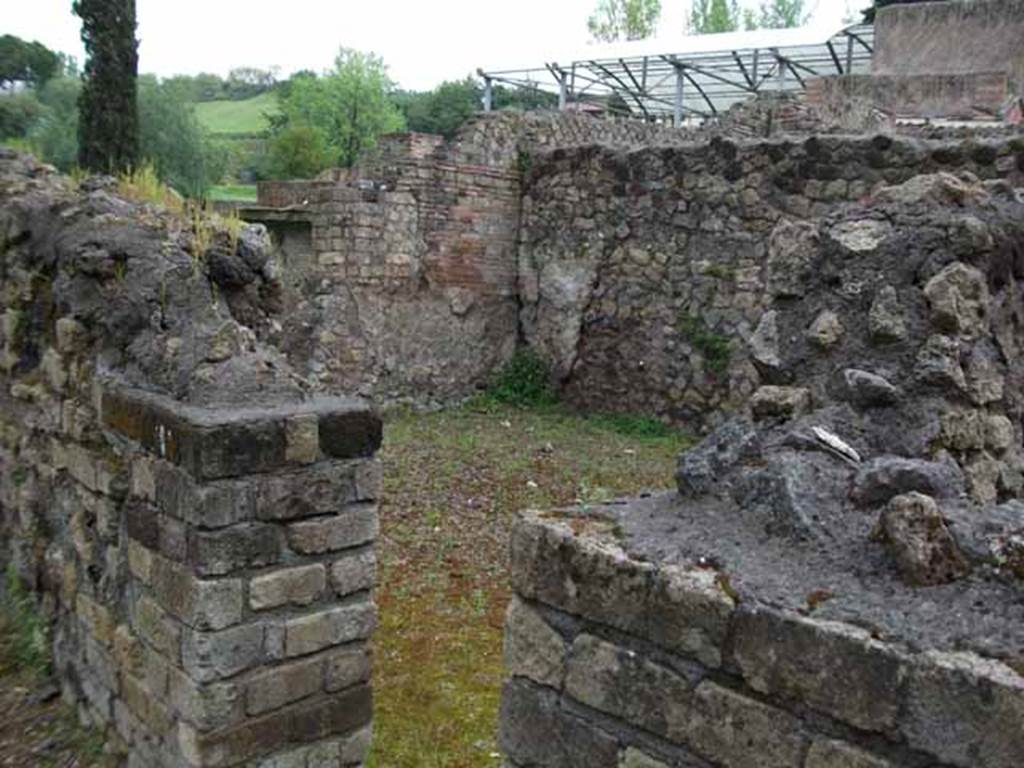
835, 444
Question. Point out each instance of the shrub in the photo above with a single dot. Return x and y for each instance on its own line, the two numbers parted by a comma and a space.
18, 112
716, 348
524, 381
26, 643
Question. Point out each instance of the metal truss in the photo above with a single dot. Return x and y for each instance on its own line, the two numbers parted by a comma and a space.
702, 77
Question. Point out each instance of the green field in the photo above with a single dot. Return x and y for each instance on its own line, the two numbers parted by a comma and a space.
233, 192
237, 118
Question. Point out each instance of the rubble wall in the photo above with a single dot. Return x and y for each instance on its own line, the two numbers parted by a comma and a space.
407, 289
197, 526
838, 580
617, 661
645, 275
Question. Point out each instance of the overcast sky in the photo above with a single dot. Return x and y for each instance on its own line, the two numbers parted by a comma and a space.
422, 43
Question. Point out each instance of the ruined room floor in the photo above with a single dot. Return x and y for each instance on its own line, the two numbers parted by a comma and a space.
453, 482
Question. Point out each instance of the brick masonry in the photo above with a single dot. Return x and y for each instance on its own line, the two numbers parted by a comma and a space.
233, 624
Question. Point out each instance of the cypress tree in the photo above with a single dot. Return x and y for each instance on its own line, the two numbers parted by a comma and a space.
108, 127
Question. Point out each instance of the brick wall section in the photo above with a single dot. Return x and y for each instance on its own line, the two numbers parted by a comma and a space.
235, 630
618, 663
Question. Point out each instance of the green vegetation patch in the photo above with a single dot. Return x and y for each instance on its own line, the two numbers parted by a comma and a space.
716, 348
238, 118
453, 483
244, 193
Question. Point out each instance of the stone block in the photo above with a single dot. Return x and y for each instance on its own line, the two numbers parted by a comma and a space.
634, 758
335, 626
209, 656
249, 545
825, 753
283, 684
206, 706
97, 619
152, 624
536, 731
532, 648
302, 438
353, 527
965, 710
834, 668
323, 489
198, 603
346, 667
354, 573
628, 686
142, 702
684, 611
291, 586
303, 723
734, 730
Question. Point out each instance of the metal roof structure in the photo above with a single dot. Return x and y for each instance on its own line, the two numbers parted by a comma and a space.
696, 76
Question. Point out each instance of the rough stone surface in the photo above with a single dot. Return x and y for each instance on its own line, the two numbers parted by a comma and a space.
922, 546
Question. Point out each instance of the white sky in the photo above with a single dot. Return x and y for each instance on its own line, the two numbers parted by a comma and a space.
423, 43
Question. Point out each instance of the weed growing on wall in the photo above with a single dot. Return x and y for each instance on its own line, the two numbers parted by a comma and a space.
524, 381
26, 646
716, 348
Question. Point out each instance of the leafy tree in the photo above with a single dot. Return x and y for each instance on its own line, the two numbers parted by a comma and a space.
172, 140
526, 99
24, 62
299, 151
782, 14
624, 19
108, 115
247, 82
18, 113
350, 105
55, 134
712, 16
442, 110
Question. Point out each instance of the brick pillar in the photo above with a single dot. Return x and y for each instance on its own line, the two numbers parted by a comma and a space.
249, 537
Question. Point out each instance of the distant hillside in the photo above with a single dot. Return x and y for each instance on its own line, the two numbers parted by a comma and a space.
237, 118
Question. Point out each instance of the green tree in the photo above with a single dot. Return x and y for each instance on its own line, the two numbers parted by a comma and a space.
108, 115
23, 62
782, 14
443, 110
298, 151
624, 19
350, 105
712, 16
18, 113
172, 140
54, 135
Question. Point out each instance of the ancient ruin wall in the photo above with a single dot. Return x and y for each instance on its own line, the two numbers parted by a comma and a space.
839, 579
400, 274
198, 528
951, 38
645, 274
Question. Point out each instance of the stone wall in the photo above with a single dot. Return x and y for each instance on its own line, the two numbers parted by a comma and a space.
645, 275
621, 661
951, 38
198, 528
839, 579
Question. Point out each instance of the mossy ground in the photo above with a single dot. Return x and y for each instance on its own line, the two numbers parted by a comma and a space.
453, 483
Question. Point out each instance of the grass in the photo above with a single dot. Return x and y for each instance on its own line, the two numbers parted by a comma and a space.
35, 727
245, 193
453, 483
143, 185
237, 118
